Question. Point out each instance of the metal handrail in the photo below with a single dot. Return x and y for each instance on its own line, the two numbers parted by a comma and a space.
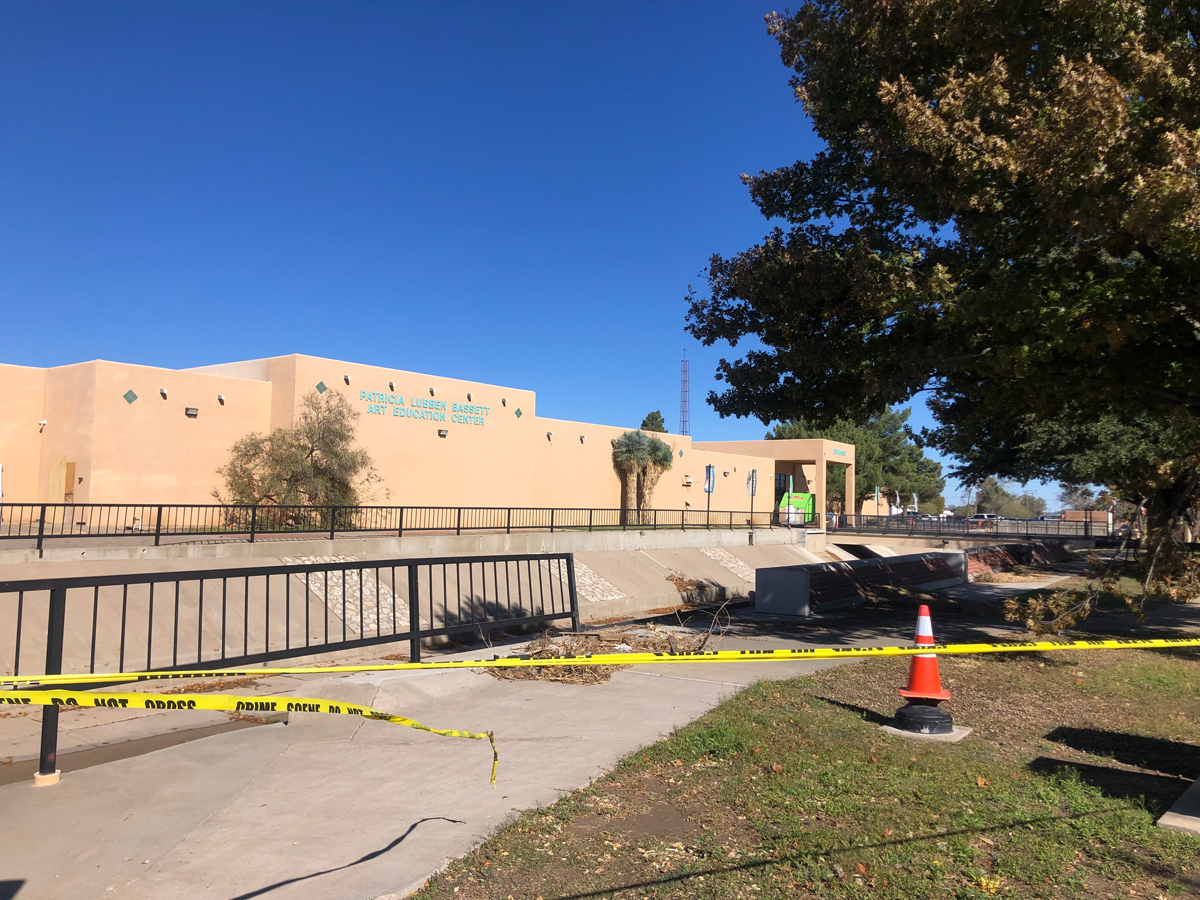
48, 521
205, 619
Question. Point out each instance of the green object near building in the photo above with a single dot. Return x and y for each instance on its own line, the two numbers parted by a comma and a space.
796, 507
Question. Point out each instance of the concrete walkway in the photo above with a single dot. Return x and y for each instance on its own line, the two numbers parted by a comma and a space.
342, 809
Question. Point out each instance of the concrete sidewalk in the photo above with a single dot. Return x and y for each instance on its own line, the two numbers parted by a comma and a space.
342, 808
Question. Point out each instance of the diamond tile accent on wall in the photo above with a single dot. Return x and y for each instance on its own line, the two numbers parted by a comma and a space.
518, 413
129, 396
321, 387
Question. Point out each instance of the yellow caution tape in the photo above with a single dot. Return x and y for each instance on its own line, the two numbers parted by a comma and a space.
234, 703
621, 659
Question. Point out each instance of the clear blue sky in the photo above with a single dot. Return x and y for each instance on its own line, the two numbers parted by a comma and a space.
513, 193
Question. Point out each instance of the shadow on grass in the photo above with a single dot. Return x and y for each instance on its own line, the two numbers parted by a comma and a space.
868, 715
1157, 791
813, 854
1171, 757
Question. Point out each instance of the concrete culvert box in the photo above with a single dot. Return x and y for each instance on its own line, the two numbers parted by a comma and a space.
782, 591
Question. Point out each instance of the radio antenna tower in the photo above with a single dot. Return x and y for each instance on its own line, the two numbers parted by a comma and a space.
685, 415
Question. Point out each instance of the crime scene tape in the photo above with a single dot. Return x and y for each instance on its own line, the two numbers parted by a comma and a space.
618, 659
234, 703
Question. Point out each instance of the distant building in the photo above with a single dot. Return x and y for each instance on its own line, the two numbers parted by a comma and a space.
105, 432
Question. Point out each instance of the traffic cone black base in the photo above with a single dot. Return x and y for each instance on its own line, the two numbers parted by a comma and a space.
924, 717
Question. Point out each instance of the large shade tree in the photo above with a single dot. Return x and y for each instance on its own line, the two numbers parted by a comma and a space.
1006, 214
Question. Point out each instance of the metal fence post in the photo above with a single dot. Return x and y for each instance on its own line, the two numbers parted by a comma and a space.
414, 614
552, 520
458, 522
590, 511
158, 526
41, 530
571, 588
508, 521
332, 521
400, 528
253, 521
54, 648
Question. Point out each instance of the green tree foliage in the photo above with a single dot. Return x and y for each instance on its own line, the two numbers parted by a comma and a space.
640, 460
659, 459
992, 496
312, 463
630, 452
1006, 214
934, 507
884, 456
654, 422
1008, 206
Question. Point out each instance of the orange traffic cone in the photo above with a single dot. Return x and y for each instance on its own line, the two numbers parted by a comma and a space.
923, 680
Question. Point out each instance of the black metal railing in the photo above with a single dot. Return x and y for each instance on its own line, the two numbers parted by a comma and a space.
216, 618
46, 521
954, 526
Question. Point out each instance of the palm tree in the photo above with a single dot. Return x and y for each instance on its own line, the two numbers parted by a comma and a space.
630, 452
659, 458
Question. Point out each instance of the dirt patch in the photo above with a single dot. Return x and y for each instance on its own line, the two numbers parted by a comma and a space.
1016, 575
203, 687
553, 645
685, 585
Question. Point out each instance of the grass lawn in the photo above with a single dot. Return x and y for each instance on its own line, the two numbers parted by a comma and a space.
790, 790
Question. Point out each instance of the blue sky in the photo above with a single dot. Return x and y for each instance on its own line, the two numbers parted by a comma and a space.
513, 193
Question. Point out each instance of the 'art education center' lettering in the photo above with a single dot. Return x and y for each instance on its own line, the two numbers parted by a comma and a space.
424, 408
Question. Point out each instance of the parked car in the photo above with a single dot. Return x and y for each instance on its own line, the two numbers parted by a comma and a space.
1051, 517
982, 520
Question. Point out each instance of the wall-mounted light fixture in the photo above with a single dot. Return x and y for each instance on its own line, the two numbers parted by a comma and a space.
442, 432
687, 480
726, 474
41, 425
191, 412
549, 435
468, 396
504, 401
346, 378
735, 468
162, 392
391, 385
432, 392
581, 439
221, 399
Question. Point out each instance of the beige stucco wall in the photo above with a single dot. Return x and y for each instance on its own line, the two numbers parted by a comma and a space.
149, 451
21, 392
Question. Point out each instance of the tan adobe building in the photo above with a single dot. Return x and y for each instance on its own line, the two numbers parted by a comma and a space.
105, 432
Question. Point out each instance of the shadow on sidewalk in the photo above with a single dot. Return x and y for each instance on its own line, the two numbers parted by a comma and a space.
362, 859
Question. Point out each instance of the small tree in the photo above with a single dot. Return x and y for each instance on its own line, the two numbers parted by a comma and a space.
654, 422
312, 463
1077, 496
659, 458
631, 452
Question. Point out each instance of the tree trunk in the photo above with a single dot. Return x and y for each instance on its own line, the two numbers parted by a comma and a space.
629, 497
650, 476
1165, 508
